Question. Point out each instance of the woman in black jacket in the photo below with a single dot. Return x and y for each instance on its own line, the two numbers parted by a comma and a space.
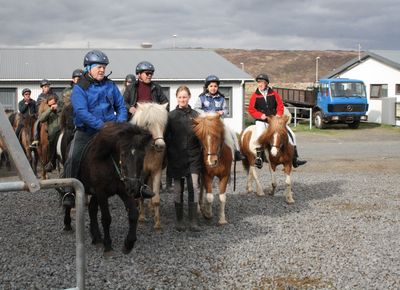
184, 157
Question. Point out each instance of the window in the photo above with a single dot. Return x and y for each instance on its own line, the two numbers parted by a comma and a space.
397, 89
58, 91
227, 92
8, 98
378, 91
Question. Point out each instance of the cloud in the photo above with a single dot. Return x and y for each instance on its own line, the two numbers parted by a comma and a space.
253, 24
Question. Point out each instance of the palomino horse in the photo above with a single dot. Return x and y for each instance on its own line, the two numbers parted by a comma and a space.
43, 147
217, 158
153, 117
112, 164
275, 140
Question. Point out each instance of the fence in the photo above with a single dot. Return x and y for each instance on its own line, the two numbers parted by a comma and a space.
299, 113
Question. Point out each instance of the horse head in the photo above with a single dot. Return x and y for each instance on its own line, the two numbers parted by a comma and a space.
153, 117
275, 137
209, 129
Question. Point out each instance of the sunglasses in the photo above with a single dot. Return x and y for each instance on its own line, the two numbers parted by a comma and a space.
148, 73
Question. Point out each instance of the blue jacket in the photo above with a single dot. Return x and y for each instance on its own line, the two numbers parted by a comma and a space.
95, 103
207, 103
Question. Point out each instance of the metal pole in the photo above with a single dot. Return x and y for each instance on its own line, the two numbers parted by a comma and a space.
310, 118
316, 68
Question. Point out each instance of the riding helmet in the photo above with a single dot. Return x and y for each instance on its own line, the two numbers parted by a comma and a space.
130, 77
144, 66
44, 82
262, 77
26, 90
211, 79
77, 73
95, 57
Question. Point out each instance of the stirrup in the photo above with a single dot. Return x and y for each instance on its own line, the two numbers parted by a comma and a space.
258, 162
68, 199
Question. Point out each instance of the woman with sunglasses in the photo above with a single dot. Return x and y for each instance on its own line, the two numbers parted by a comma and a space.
143, 90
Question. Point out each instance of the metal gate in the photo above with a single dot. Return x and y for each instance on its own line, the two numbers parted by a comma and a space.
27, 181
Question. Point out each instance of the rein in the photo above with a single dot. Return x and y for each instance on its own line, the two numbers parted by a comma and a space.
124, 178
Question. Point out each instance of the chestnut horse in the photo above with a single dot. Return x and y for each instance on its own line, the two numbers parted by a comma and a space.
43, 147
217, 158
275, 141
112, 163
153, 117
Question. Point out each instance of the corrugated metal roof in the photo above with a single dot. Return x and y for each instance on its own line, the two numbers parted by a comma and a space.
58, 64
388, 57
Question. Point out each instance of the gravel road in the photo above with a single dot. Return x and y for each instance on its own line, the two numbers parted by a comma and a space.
343, 232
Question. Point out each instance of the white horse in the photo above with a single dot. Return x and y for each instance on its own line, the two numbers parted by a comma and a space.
153, 117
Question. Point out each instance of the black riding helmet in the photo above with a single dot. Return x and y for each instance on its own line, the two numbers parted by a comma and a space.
95, 57
44, 82
130, 77
26, 90
77, 73
144, 66
262, 77
211, 79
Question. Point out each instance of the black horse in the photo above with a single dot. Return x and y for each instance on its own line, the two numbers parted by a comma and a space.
112, 164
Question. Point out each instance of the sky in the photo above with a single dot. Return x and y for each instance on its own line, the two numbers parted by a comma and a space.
240, 24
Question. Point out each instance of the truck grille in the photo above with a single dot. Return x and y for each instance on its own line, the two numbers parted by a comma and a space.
347, 108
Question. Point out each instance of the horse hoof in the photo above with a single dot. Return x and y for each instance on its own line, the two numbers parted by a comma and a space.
142, 220
289, 200
128, 246
108, 253
260, 193
222, 223
158, 228
67, 228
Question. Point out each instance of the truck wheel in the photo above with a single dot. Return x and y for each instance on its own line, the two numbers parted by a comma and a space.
318, 120
354, 125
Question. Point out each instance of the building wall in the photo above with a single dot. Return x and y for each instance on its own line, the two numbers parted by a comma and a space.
374, 72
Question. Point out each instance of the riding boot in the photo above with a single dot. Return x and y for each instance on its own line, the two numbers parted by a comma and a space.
259, 161
180, 226
52, 157
193, 223
239, 156
297, 162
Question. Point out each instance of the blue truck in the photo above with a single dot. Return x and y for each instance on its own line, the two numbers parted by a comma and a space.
333, 101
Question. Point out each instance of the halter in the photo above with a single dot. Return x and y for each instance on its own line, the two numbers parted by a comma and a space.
124, 178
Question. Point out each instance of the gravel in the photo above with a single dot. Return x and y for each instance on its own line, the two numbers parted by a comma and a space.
342, 233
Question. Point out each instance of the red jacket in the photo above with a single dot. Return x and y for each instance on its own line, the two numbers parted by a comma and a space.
271, 105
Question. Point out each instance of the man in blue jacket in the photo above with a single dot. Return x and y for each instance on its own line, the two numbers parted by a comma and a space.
95, 100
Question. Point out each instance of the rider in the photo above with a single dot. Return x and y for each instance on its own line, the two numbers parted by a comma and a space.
213, 101
46, 92
143, 89
184, 157
267, 102
52, 117
129, 79
96, 100
66, 93
27, 106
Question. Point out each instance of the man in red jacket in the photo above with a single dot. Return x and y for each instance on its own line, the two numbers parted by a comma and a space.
266, 102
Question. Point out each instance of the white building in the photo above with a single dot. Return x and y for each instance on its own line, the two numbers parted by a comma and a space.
25, 67
380, 71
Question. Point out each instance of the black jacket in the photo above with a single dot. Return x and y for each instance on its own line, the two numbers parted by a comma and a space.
184, 154
130, 95
27, 109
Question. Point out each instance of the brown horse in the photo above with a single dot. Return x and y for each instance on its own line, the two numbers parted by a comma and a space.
43, 147
217, 158
153, 117
275, 141
26, 136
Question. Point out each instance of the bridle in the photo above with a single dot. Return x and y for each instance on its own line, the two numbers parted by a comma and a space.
126, 179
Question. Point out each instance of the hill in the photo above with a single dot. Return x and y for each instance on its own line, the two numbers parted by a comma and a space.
288, 66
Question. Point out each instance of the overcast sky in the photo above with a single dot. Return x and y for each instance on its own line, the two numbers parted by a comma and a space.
246, 24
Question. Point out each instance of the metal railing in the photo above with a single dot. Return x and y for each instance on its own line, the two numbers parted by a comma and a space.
298, 113
29, 182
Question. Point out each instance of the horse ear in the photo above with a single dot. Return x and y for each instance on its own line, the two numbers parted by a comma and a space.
165, 105
138, 105
285, 118
268, 119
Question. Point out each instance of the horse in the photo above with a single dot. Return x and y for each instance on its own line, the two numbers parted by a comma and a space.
275, 140
67, 134
217, 159
112, 163
4, 157
25, 136
154, 117
43, 147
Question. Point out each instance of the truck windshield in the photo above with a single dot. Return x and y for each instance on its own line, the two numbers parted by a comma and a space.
350, 89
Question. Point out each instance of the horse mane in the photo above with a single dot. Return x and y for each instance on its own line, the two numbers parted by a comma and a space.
275, 125
208, 123
150, 114
114, 136
43, 107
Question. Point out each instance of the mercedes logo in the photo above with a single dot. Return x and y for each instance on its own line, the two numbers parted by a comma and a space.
349, 108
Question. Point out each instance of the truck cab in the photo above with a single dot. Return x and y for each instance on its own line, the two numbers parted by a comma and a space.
340, 100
